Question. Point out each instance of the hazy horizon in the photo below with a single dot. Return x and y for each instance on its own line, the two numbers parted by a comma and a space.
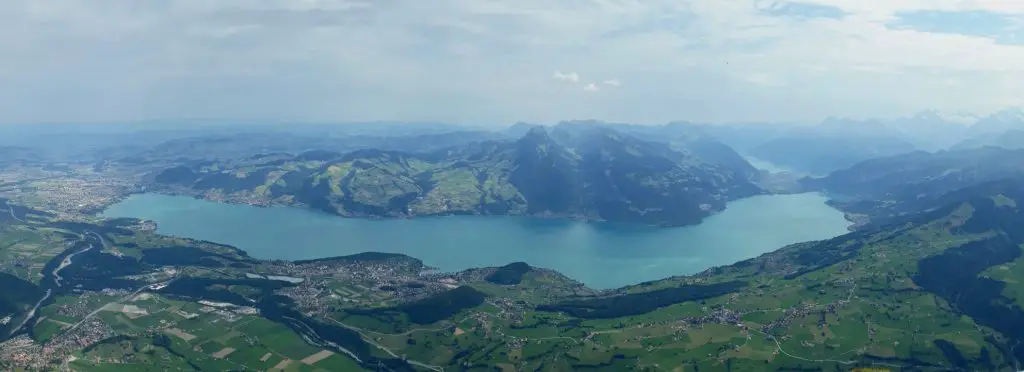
949, 117
499, 62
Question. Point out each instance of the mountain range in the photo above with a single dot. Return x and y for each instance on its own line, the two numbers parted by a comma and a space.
931, 281
936, 288
836, 142
592, 173
888, 187
1010, 139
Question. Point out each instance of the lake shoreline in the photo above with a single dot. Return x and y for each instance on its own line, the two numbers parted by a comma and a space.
262, 202
601, 255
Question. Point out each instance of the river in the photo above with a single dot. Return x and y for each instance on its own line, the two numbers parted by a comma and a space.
598, 254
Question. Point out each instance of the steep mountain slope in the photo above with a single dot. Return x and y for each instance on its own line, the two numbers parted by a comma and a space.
1000, 121
545, 173
820, 153
935, 290
931, 130
644, 181
713, 151
741, 137
885, 187
598, 175
691, 141
836, 143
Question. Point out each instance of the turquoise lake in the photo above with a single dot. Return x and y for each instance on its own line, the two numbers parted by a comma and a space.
599, 255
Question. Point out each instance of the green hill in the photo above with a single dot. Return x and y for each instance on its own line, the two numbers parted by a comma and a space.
938, 289
601, 175
887, 188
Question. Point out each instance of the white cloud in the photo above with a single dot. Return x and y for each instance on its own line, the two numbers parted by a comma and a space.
612, 82
465, 60
568, 77
591, 87
761, 78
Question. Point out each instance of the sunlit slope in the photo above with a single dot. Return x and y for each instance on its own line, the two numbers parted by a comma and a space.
938, 292
608, 176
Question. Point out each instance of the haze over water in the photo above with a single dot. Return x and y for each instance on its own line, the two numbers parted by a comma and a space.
597, 254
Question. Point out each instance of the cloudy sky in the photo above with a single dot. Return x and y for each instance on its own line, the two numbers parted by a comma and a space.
501, 61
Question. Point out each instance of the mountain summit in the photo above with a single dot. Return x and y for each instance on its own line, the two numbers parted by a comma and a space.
593, 174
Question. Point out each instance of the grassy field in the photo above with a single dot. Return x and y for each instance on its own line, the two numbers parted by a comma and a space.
206, 339
24, 251
869, 299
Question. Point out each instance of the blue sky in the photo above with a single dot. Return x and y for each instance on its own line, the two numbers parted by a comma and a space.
1001, 27
501, 61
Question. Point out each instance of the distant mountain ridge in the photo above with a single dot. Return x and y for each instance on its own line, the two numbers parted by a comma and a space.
835, 142
885, 188
1010, 139
823, 153
595, 174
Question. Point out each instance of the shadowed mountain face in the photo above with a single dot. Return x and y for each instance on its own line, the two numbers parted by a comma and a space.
714, 152
646, 181
544, 173
598, 174
887, 187
698, 143
1011, 139
1000, 121
820, 154
974, 277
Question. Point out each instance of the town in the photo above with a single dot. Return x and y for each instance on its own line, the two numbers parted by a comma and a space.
70, 194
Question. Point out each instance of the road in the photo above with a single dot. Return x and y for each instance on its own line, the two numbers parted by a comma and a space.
128, 296
57, 280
